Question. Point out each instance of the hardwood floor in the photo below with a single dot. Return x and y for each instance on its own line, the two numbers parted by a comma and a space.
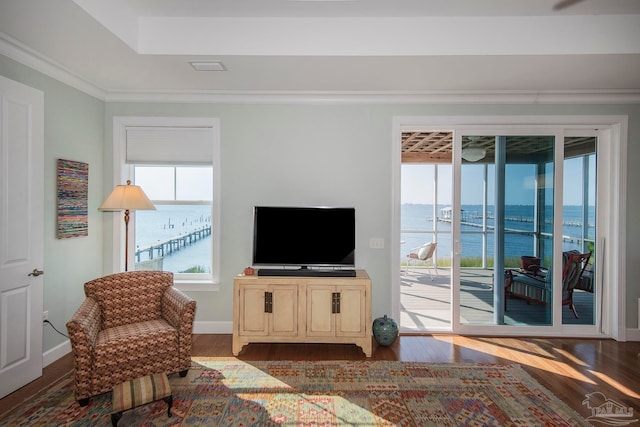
569, 368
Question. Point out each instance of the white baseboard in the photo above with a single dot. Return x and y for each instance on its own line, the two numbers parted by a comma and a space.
633, 334
206, 327
50, 356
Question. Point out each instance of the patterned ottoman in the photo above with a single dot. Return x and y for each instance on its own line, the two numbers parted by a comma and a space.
138, 392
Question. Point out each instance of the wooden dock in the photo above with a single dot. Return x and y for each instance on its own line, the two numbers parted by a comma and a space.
466, 216
173, 244
572, 239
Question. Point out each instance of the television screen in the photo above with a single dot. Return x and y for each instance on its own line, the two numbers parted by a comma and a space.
304, 236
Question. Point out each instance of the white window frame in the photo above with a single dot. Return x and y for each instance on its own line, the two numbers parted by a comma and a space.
123, 171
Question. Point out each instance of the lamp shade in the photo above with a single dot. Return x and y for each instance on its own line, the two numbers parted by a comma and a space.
127, 197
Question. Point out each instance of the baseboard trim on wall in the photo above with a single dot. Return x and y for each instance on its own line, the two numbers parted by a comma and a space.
50, 356
633, 334
212, 327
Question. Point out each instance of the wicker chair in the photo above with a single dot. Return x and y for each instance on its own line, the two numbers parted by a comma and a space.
423, 253
130, 325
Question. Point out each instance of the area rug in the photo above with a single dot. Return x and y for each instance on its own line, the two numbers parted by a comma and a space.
231, 392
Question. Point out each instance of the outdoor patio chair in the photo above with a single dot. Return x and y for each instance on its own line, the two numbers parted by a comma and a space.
573, 266
538, 287
423, 253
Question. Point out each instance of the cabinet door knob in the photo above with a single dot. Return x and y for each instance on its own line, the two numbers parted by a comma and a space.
335, 302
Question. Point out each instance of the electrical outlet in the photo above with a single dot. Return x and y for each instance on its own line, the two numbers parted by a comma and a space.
45, 315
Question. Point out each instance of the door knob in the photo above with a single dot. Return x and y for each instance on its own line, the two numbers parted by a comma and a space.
36, 272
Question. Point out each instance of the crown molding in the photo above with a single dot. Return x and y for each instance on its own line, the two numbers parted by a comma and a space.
30, 58
23, 54
631, 96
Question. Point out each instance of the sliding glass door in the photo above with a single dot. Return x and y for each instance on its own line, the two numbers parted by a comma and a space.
506, 217
528, 221
580, 305
526, 227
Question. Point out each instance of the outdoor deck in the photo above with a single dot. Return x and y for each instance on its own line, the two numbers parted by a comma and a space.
426, 304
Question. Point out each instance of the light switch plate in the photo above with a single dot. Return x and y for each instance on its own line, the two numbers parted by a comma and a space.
376, 243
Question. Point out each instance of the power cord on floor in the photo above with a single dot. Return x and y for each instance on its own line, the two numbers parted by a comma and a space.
54, 328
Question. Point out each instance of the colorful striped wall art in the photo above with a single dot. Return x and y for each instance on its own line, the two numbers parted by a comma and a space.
73, 196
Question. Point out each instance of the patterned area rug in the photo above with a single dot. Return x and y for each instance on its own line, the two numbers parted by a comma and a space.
231, 392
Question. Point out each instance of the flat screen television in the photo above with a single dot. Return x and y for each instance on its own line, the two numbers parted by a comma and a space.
303, 237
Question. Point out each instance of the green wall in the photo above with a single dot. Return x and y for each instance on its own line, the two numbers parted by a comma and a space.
271, 154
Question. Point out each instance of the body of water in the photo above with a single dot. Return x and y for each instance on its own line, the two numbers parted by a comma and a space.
419, 220
172, 221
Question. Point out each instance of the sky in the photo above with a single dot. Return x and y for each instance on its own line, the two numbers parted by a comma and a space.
417, 184
192, 183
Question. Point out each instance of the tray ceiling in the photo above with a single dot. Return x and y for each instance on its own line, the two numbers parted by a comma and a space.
323, 48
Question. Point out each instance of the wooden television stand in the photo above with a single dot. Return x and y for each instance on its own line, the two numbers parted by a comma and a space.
302, 309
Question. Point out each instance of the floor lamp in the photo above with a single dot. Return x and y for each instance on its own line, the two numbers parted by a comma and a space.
126, 198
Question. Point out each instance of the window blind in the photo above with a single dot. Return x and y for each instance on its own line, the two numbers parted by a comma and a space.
169, 145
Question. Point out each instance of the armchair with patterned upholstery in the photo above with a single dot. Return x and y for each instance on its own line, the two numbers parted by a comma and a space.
130, 325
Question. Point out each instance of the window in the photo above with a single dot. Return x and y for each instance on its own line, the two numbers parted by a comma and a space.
176, 236
176, 161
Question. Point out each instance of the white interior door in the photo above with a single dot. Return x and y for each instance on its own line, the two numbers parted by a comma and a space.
22, 234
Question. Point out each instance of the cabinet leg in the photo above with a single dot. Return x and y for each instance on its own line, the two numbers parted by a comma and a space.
366, 346
236, 347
